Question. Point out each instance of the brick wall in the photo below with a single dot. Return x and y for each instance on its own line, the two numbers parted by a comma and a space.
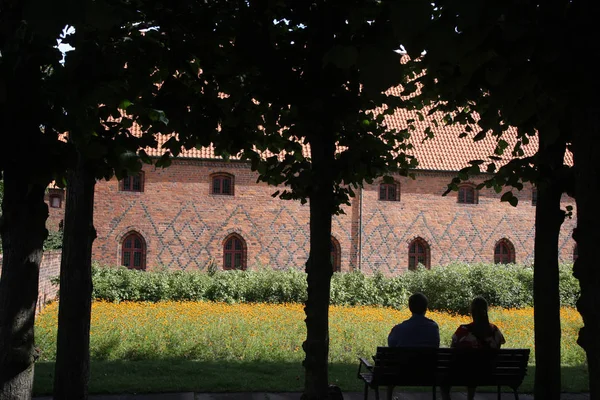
49, 268
56, 209
454, 231
184, 225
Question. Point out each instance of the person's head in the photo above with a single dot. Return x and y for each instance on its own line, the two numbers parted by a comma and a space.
479, 310
417, 304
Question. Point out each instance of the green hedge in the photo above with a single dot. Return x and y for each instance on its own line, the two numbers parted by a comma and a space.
449, 288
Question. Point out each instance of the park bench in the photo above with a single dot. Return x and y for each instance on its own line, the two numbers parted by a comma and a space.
422, 366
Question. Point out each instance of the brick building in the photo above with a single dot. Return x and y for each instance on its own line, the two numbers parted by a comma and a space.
205, 210
49, 270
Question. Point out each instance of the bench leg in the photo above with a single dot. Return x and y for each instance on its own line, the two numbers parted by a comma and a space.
499, 392
366, 391
516, 394
377, 393
433, 392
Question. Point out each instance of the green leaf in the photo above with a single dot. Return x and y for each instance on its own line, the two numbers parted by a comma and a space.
510, 198
164, 161
507, 196
144, 157
158, 115
95, 150
380, 69
124, 104
102, 16
342, 57
480, 136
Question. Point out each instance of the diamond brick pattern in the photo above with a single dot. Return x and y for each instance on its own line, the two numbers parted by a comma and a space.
455, 232
185, 226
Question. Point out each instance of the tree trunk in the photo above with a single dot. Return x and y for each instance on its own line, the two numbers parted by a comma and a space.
23, 230
319, 271
586, 270
548, 220
72, 368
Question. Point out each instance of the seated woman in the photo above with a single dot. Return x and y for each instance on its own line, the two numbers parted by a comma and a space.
479, 334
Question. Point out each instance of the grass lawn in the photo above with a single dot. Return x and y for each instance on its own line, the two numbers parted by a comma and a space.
209, 347
149, 376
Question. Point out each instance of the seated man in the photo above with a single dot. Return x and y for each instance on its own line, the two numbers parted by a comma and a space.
417, 331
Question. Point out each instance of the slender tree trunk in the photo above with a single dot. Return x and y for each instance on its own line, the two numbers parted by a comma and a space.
548, 220
23, 230
587, 268
72, 368
319, 271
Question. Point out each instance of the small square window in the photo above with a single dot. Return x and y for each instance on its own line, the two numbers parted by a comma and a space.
222, 184
534, 195
467, 195
133, 183
388, 192
55, 201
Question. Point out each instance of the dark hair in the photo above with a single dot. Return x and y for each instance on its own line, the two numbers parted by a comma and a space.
481, 321
417, 303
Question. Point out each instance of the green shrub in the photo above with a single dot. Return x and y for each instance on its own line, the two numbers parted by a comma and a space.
568, 285
450, 288
501, 285
353, 288
54, 241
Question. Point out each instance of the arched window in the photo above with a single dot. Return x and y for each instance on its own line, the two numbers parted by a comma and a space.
467, 194
335, 253
504, 252
234, 252
389, 192
222, 184
575, 253
534, 194
418, 253
133, 251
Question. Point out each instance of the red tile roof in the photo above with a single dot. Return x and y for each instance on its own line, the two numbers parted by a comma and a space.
444, 152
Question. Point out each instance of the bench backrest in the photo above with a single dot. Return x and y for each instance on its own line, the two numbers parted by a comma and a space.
429, 366
416, 365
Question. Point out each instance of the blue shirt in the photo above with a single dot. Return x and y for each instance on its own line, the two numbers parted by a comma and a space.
417, 331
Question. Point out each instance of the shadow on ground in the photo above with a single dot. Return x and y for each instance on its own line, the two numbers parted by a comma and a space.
177, 375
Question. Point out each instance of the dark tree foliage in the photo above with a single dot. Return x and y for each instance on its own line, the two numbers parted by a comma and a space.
289, 74
498, 64
27, 40
103, 89
313, 77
